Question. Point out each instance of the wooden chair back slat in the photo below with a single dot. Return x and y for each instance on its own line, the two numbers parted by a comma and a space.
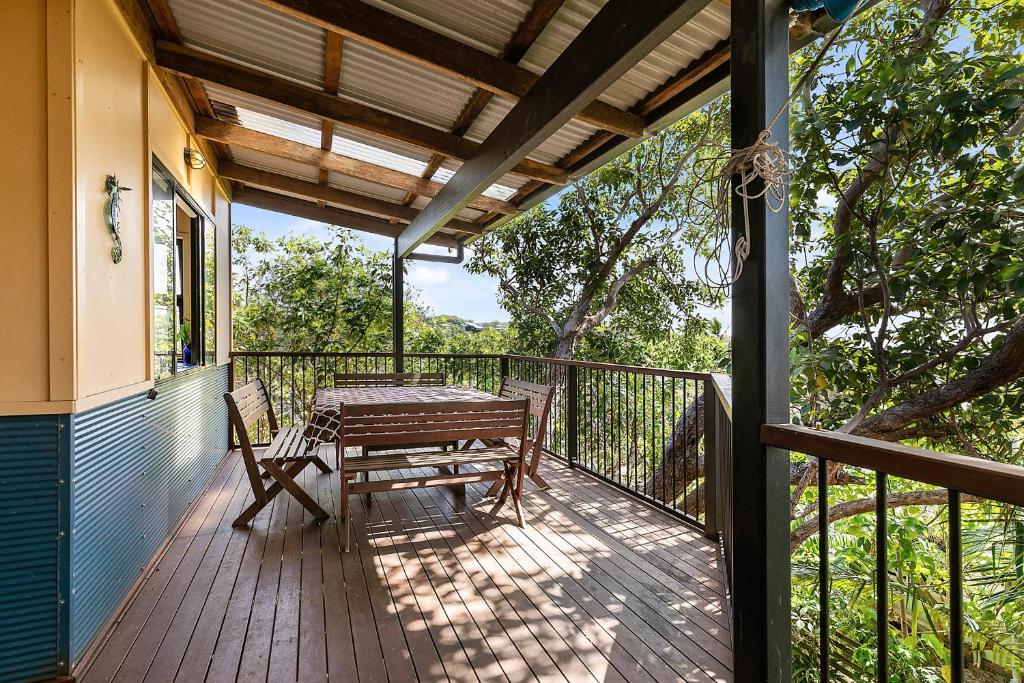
540, 397
389, 379
253, 403
428, 423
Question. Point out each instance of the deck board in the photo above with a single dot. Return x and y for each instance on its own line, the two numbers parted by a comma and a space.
597, 587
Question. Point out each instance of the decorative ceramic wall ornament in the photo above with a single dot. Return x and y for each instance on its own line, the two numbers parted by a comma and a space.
113, 216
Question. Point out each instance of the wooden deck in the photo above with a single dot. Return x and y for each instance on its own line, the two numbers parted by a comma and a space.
598, 587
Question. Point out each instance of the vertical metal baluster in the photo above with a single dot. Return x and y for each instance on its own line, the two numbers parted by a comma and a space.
675, 452
823, 573
882, 575
956, 590
672, 465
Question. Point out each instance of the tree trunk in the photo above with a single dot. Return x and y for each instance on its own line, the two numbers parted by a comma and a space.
684, 462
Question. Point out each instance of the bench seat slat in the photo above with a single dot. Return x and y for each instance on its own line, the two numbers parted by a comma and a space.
287, 446
399, 461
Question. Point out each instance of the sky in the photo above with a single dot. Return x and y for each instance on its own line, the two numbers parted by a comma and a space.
444, 287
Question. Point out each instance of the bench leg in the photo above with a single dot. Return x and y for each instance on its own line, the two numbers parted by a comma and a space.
297, 492
321, 465
507, 480
517, 491
345, 515
493, 491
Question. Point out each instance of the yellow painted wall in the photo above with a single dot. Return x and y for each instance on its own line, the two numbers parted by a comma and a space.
36, 195
111, 139
23, 258
82, 103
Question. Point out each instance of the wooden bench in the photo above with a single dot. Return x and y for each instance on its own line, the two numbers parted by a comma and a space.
411, 424
283, 459
389, 379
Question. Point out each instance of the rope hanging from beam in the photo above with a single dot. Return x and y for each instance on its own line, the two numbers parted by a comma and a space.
763, 172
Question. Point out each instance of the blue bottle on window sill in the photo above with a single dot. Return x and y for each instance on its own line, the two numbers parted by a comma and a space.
186, 354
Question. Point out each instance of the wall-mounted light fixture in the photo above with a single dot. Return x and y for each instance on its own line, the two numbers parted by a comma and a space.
194, 158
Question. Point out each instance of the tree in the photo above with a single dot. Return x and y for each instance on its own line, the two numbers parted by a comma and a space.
611, 252
908, 301
298, 293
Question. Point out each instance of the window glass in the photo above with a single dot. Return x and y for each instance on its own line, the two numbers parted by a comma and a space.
164, 286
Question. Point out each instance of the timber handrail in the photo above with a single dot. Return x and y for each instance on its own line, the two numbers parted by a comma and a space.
985, 478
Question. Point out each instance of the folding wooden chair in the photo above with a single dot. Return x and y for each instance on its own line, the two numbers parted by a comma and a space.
282, 460
540, 396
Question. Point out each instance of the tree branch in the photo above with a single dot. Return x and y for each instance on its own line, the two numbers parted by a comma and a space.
862, 505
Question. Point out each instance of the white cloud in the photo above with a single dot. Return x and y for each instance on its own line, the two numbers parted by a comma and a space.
427, 276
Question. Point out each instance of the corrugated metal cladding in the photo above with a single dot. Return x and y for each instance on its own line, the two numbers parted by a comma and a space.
31, 646
137, 466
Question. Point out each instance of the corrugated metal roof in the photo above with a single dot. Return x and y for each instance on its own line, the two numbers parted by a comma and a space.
699, 35
487, 25
254, 35
397, 86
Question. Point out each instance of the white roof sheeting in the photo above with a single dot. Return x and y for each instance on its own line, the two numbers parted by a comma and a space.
254, 35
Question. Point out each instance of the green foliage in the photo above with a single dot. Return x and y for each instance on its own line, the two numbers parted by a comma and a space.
300, 294
935, 134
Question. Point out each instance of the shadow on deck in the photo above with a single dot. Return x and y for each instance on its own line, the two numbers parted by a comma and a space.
598, 587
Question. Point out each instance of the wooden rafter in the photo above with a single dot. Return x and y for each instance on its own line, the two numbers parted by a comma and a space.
398, 36
536, 20
324, 193
334, 45
619, 36
206, 67
219, 131
271, 201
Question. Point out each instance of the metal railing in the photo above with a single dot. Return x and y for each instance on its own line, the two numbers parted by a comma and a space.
960, 476
639, 429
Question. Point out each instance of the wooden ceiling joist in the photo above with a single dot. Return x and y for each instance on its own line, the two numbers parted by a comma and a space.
334, 45
325, 193
196, 64
219, 131
620, 35
301, 208
398, 36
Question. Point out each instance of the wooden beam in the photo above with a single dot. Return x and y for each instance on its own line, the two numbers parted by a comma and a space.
196, 64
620, 35
407, 39
687, 76
212, 129
360, 202
329, 214
334, 46
167, 29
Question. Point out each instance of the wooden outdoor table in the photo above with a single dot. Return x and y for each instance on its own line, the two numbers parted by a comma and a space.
325, 420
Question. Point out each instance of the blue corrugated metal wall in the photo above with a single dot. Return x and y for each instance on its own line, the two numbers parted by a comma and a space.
31, 497
137, 466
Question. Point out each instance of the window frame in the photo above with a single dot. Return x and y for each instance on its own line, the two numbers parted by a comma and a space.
201, 223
